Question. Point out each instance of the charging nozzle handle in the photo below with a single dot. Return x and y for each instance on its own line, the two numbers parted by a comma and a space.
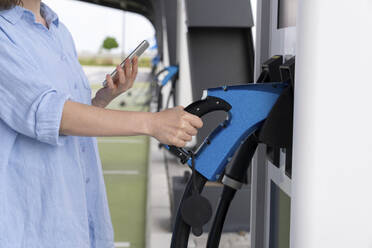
208, 105
200, 108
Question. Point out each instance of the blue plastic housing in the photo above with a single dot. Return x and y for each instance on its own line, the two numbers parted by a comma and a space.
251, 105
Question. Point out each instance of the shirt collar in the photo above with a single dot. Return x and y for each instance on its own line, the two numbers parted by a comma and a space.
49, 15
14, 14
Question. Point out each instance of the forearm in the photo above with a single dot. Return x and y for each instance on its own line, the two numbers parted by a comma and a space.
84, 120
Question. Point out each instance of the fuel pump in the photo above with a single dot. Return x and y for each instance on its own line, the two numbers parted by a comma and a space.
247, 106
276, 132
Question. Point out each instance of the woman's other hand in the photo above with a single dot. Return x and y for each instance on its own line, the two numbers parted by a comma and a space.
120, 83
174, 126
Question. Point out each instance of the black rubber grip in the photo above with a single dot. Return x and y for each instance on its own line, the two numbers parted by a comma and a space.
200, 108
208, 105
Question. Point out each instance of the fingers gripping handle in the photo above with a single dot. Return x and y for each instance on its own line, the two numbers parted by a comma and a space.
200, 108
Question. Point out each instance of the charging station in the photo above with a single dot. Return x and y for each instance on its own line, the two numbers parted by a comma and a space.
309, 183
271, 170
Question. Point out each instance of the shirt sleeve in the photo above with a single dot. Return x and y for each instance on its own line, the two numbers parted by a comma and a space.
71, 39
29, 105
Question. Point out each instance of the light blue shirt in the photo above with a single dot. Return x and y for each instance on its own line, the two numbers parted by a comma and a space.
52, 192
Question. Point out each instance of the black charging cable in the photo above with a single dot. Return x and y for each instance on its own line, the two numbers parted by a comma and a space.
234, 178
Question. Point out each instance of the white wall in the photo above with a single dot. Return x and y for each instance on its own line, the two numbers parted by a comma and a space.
332, 163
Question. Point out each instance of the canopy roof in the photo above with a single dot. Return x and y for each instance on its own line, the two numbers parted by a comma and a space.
142, 7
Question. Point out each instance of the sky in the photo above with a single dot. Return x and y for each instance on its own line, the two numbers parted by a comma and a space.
90, 24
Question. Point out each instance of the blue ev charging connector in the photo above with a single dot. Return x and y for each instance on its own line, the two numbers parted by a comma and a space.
172, 72
247, 107
171, 76
156, 60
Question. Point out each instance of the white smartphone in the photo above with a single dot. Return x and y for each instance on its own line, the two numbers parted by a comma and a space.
140, 49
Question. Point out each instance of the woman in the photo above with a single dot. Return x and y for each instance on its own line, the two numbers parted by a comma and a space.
51, 186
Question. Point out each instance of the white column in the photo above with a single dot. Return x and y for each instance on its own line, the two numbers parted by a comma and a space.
184, 82
332, 163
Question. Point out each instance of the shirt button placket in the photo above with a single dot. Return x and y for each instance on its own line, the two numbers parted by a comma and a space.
63, 57
82, 149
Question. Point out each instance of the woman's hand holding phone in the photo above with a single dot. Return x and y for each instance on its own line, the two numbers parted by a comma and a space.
118, 84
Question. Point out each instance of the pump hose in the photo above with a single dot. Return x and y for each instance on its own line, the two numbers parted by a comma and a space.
238, 172
216, 230
181, 230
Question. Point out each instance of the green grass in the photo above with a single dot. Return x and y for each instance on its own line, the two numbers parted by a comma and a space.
95, 61
127, 193
119, 156
127, 201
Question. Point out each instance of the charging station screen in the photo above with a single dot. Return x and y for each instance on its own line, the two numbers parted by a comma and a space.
280, 210
287, 13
